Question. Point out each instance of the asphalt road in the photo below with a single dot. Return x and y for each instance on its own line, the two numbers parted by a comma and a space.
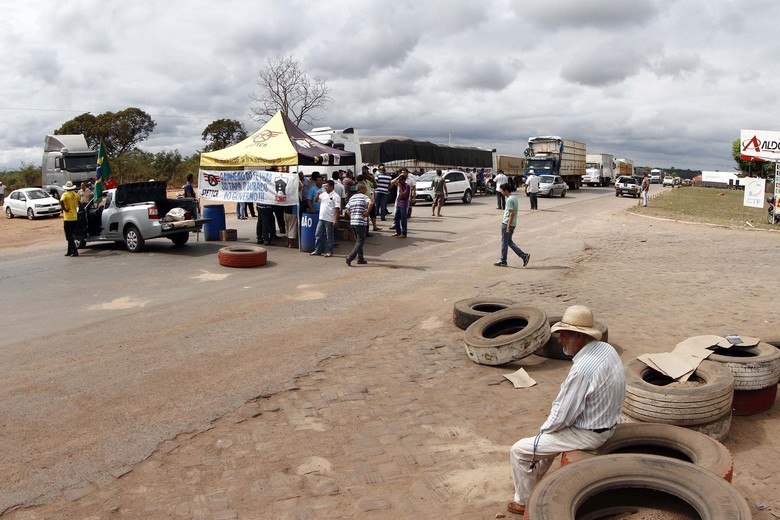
107, 355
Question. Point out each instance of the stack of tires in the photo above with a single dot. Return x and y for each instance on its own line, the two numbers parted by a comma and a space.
500, 331
702, 404
756, 373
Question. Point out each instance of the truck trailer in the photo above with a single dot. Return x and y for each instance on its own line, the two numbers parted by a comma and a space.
599, 169
554, 155
624, 166
66, 158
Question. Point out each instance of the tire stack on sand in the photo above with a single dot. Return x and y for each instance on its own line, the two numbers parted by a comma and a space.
499, 331
703, 403
756, 373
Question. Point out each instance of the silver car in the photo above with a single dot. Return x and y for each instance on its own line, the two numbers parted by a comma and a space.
550, 185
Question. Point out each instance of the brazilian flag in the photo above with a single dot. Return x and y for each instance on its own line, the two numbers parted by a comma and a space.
102, 172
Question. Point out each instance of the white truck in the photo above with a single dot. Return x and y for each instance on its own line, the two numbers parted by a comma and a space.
66, 158
656, 176
346, 139
599, 169
553, 155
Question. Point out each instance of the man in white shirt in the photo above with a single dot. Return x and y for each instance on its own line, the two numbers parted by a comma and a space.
339, 188
500, 179
532, 188
411, 180
584, 414
330, 207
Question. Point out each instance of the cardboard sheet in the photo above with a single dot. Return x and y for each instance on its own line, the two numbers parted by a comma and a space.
669, 364
520, 379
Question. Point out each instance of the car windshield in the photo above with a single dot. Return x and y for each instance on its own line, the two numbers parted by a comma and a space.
37, 194
592, 166
627, 180
427, 177
547, 179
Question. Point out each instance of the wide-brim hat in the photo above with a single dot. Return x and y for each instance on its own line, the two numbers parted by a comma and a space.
578, 318
70, 186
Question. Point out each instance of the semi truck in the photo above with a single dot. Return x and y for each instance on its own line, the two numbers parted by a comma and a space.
624, 166
510, 164
66, 158
599, 169
554, 155
346, 139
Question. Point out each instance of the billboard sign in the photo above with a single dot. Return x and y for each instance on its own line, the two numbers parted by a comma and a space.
754, 192
759, 145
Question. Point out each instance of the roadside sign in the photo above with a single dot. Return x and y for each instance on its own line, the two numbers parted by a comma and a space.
754, 192
761, 145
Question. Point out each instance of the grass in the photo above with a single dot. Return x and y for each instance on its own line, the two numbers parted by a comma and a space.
711, 205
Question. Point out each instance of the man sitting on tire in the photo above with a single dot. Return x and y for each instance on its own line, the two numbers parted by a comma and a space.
586, 410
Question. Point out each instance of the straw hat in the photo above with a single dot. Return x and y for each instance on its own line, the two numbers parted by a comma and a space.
578, 318
70, 186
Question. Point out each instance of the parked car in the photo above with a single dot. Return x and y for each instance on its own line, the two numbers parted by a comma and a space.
458, 186
550, 185
31, 202
625, 185
686, 182
669, 181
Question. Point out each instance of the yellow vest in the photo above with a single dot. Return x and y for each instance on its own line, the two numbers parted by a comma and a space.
70, 205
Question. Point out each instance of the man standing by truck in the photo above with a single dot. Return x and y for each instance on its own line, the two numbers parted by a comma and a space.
70, 205
500, 180
532, 187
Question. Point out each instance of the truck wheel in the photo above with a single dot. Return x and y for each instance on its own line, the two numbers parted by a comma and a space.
30, 214
242, 256
467, 197
508, 335
179, 239
133, 239
754, 368
465, 312
8, 212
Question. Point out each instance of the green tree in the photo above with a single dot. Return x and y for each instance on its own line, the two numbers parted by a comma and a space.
119, 131
86, 124
165, 164
222, 133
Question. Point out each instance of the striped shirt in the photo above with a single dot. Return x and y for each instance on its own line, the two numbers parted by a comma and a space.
383, 182
357, 205
592, 395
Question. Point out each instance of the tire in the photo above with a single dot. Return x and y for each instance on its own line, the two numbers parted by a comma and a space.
242, 256
134, 242
507, 335
648, 399
754, 368
563, 193
553, 348
467, 197
664, 440
179, 239
30, 214
612, 485
465, 312
751, 402
617, 194
8, 213
81, 243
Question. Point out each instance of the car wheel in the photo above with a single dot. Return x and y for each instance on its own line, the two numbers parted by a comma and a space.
30, 214
563, 193
179, 239
467, 197
133, 239
8, 212
617, 194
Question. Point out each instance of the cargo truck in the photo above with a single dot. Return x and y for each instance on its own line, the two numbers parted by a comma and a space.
66, 158
552, 155
599, 169
624, 166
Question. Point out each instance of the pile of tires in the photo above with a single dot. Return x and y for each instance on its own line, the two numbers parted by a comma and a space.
465, 312
506, 335
242, 256
756, 373
553, 348
611, 486
703, 404
663, 440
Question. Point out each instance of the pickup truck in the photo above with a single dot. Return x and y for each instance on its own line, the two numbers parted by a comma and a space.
136, 212
627, 185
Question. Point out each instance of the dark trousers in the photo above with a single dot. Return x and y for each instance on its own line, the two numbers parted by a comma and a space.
534, 202
399, 220
500, 200
265, 223
251, 209
70, 229
360, 239
381, 202
279, 215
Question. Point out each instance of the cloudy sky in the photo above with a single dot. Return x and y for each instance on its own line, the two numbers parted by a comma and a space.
664, 82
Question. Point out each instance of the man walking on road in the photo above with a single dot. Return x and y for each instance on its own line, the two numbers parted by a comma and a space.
584, 414
439, 193
70, 206
508, 225
358, 209
532, 188
500, 180
645, 189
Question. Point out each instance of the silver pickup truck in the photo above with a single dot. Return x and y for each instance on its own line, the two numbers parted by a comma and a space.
136, 212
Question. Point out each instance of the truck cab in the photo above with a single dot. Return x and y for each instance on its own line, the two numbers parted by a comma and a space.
66, 158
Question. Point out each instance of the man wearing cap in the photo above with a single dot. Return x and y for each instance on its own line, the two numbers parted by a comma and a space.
70, 205
584, 414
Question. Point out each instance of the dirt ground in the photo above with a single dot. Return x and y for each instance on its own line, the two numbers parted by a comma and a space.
406, 426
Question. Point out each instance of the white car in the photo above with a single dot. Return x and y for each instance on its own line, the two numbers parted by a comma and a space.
31, 202
550, 185
669, 181
458, 186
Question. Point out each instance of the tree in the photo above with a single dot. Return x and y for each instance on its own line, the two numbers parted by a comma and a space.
284, 86
753, 168
222, 133
119, 132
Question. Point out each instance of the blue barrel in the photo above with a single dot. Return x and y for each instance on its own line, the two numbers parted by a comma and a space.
216, 212
308, 228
